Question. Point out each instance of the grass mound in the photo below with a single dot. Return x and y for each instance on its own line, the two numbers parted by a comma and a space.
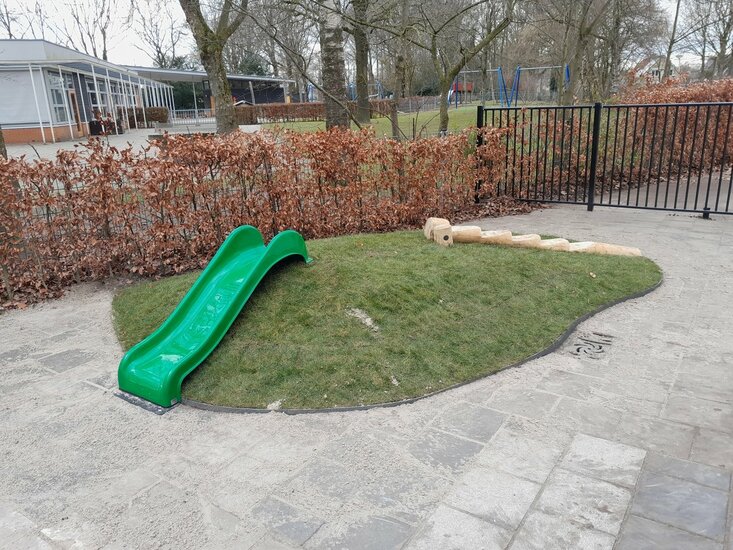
440, 315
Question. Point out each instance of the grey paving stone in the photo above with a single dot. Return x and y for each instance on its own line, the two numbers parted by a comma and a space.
520, 455
15, 354
106, 380
530, 403
469, 420
627, 404
705, 385
585, 501
643, 534
670, 438
688, 506
326, 479
268, 543
603, 459
501, 498
638, 388
442, 449
589, 418
12, 522
288, 522
714, 448
61, 337
709, 476
568, 384
65, 360
700, 412
374, 533
28, 541
543, 531
450, 529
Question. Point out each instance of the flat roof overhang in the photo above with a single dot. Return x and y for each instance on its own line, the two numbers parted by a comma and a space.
98, 70
179, 75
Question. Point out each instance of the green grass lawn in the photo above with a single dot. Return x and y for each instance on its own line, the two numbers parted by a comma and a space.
426, 121
444, 315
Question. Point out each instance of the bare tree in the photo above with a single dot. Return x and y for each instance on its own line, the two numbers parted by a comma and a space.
210, 42
90, 25
8, 19
442, 34
160, 31
673, 39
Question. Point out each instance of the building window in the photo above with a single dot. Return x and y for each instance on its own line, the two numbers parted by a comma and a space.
97, 98
59, 87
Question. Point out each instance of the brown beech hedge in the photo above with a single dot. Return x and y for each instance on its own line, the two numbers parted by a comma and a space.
100, 211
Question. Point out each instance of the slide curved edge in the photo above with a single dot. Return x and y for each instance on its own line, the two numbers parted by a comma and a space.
285, 244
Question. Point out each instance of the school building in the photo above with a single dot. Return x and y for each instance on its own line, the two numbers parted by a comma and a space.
50, 93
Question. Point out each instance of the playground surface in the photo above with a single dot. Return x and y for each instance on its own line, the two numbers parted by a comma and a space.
622, 437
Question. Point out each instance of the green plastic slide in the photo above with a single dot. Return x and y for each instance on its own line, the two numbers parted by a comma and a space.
154, 369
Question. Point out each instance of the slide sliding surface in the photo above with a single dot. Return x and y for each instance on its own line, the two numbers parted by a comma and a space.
154, 369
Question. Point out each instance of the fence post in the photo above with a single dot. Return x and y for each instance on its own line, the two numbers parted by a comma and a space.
479, 142
594, 155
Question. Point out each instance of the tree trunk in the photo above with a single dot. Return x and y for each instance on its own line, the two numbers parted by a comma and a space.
670, 45
399, 85
332, 67
210, 46
444, 89
361, 59
221, 91
3, 149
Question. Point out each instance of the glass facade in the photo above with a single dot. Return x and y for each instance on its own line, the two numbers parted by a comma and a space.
59, 89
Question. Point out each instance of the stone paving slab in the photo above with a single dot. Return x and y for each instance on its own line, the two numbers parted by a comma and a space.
632, 447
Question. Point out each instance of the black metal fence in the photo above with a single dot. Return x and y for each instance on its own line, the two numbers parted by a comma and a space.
654, 156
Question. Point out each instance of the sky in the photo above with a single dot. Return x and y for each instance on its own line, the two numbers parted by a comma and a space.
125, 47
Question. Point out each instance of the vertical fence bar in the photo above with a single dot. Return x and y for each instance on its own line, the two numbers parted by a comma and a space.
725, 157
605, 152
521, 156
514, 149
712, 158
692, 153
594, 155
537, 154
562, 156
623, 154
651, 156
671, 153
631, 160
702, 154
570, 154
577, 156
479, 143
547, 154
613, 157
588, 134
661, 156
641, 158
682, 154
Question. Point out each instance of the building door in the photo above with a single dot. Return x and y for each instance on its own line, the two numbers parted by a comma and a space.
75, 109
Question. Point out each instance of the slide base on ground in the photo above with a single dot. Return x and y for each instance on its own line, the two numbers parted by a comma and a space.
154, 369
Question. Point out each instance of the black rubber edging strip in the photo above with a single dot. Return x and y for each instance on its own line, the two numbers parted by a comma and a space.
551, 348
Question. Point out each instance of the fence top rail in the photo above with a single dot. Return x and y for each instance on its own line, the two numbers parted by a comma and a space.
612, 106
688, 104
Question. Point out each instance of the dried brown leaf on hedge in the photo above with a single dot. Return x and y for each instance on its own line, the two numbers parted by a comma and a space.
100, 211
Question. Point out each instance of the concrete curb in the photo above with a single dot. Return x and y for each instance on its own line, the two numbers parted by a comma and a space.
551, 348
